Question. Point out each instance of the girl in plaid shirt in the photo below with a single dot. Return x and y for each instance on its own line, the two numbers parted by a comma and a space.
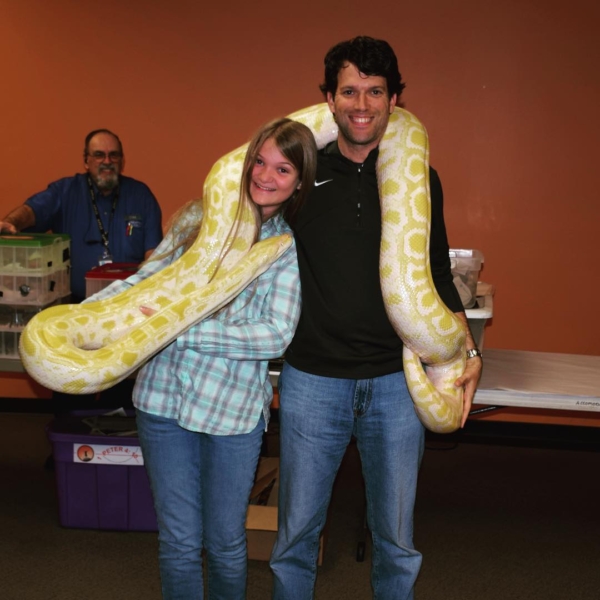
203, 402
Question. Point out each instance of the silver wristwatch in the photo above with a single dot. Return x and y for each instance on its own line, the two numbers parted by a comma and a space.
473, 352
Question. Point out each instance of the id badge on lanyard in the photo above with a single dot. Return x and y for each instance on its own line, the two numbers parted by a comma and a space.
105, 257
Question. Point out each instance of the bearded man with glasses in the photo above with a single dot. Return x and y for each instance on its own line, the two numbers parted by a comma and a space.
109, 217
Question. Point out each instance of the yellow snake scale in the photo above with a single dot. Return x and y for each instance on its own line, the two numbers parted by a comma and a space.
86, 348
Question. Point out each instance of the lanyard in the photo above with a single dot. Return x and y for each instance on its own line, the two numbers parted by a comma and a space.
103, 232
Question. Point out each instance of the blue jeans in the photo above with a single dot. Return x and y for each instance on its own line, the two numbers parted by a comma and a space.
318, 416
201, 484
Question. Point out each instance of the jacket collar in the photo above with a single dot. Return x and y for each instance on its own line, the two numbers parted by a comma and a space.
333, 149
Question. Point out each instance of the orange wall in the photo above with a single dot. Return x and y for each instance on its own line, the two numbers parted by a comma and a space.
509, 92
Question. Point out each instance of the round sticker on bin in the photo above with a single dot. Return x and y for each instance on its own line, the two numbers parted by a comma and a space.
85, 453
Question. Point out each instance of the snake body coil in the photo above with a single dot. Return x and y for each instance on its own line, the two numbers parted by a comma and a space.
90, 347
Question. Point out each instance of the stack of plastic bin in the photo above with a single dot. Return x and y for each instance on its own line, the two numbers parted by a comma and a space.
478, 316
477, 297
466, 265
34, 273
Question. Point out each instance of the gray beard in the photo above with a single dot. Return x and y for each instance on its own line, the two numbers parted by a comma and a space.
107, 181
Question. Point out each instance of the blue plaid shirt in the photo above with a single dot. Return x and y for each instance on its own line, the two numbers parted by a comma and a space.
214, 378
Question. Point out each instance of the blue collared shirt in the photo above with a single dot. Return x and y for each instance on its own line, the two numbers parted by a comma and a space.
66, 207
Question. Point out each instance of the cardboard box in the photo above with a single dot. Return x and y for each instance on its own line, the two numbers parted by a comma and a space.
261, 522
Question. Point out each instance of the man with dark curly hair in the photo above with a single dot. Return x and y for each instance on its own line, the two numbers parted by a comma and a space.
343, 374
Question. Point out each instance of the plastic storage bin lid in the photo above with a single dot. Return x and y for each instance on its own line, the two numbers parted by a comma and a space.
113, 271
33, 240
476, 255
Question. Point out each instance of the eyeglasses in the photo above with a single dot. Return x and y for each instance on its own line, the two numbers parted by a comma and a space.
113, 156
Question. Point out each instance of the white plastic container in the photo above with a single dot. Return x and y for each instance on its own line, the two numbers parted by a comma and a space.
478, 316
34, 268
466, 265
12, 322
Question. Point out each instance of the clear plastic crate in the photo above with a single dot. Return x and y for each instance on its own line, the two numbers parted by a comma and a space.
9, 344
466, 265
33, 290
478, 316
12, 322
34, 253
34, 268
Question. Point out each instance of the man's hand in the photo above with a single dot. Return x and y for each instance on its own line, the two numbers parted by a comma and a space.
146, 310
470, 378
469, 381
6, 227
18, 219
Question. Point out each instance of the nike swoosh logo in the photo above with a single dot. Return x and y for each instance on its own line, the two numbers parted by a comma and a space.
318, 183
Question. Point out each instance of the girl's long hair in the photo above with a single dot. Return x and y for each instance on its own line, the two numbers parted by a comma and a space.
295, 141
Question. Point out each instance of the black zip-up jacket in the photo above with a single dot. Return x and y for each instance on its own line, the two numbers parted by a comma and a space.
344, 330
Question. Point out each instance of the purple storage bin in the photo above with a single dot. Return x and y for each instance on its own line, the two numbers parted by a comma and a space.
100, 479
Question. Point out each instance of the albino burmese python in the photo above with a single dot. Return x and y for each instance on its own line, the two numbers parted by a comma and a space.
90, 347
